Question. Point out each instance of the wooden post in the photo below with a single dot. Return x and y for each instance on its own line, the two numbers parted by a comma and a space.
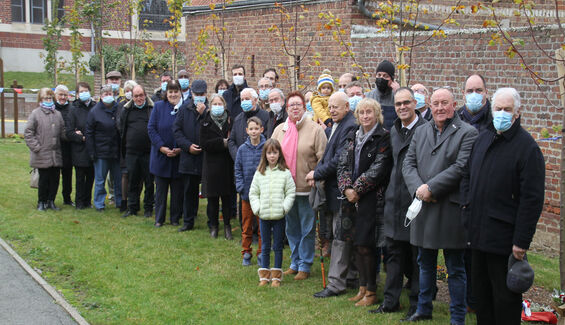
560, 56
2, 111
14, 86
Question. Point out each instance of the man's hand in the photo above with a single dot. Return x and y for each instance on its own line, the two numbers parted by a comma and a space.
321, 123
394, 85
310, 178
351, 195
195, 149
518, 252
423, 193
200, 107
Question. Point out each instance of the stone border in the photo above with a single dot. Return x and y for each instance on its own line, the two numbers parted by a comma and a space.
46, 286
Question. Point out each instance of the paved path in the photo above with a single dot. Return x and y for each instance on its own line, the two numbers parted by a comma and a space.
23, 300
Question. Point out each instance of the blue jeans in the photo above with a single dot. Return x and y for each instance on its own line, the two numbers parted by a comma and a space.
277, 231
101, 169
456, 281
300, 232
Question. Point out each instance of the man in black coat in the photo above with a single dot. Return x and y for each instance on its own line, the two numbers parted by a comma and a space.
343, 123
231, 95
135, 148
62, 105
278, 113
186, 130
401, 254
503, 196
476, 110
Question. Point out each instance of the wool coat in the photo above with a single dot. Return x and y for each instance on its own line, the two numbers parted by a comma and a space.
438, 160
272, 194
186, 130
246, 162
233, 100
76, 121
274, 121
65, 144
217, 164
160, 130
480, 122
43, 133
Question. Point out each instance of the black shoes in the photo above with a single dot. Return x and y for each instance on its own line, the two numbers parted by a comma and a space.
128, 213
69, 202
185, 228
326, 293
147, 214
416, 318
158, 225
41, 206
411, 311
214, 232
384, 309
124, 206
227, 232
51, 205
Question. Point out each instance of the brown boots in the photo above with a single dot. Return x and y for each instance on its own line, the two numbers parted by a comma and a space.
276, 277
290, 271
360, 294
369, 299
273, 275
264, 276
301, 275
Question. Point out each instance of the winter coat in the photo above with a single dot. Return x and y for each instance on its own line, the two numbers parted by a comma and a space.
439, 164
503, 190
102, 135
274, 121
186, 130
76, 121
272, 195
158, 95
375, 164
246, 162
320, 107
387, 105
65, 144
217, 164
125, 117
327, 167
311, 145
233, 101
481, 122
397, 197
43, 133
238, 134
160, 130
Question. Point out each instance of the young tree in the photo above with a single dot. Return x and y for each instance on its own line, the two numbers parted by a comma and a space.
52, 42
175, 23
74, 20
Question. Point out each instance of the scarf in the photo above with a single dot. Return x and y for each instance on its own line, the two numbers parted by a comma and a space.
474, 119
219, 120
290, 145
52, 108
360, 139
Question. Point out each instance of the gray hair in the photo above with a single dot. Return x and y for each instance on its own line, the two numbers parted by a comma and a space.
252, 91
130, 84
214, 96
267, 79
277, 90
354, 83
508, 91
61, 88
106, 88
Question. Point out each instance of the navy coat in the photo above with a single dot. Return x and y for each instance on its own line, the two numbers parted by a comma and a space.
76, 121
238, 134
246, 162
233, 101
102, 135
186, 130
160, 130
327, 167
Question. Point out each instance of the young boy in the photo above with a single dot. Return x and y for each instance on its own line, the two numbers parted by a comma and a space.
246, 162
320, 98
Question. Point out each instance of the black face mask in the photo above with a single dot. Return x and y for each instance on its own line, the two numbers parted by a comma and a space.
382, 84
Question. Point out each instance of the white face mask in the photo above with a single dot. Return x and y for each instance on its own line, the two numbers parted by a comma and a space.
275, 107
128, 95
413, 211
238, 80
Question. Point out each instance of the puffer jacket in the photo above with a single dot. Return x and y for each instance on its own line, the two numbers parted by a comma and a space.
246, 162
43, 133
272, 195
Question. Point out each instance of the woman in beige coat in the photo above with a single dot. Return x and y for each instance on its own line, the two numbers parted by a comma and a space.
43, 133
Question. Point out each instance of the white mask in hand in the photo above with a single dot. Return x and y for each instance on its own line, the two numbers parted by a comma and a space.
413, 211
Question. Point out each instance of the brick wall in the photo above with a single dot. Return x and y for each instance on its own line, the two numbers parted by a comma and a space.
440, 62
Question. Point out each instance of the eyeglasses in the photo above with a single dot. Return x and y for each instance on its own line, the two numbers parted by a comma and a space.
296, 105
442, 87
404, 103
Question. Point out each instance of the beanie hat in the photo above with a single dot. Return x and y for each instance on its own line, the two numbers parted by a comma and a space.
520, 275
386, 66
325, 78
199, 86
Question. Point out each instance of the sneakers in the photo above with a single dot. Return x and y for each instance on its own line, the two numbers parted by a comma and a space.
246, 259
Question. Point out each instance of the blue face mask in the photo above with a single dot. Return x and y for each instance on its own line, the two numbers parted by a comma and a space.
353, 101
139, 106
264, 93
246, 105
108, 99
309, 107
199, 99
502, 120
47, 104
164, 86
84, 96
217, 110
115, 87
184, 83
474, 102
420, 100
341, 90
221, 91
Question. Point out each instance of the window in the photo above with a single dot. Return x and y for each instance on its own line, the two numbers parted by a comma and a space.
18, 11
38, 11
153, 15
60, 8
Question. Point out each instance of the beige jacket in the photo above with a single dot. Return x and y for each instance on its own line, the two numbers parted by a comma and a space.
311, 145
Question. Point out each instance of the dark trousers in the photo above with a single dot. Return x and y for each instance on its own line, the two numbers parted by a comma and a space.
139, 177
326, 222
401, 256
48, 184
84, 180
213, 209
191, 199
162, 185
471, 300
67, 182
272, 229
365, 260
496, 304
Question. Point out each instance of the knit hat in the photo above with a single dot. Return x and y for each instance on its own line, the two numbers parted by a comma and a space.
325, 78
386, 66
520, 275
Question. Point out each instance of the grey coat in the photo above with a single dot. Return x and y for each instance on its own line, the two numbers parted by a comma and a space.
440, 164
43, 133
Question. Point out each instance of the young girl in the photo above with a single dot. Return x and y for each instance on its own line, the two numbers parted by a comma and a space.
271, 196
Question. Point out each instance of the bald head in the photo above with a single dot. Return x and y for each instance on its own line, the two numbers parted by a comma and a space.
443, 106
344, 80
338, 105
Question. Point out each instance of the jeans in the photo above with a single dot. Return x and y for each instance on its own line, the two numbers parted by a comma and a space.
300, 232
101, 169
247, 228
276, 228
456, 278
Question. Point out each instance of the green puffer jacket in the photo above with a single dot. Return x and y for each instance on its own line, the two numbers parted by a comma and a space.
272, 195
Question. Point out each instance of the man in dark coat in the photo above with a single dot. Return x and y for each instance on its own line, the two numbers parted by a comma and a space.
184, 83
62, 105
326, 170
231, 95
159, 92
136, 148
278, 113
422, 96
401, 254
186, 130
503, 196
432, 171
476, 110
383, 93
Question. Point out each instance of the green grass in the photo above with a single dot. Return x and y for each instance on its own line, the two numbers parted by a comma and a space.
42, 79
124, 271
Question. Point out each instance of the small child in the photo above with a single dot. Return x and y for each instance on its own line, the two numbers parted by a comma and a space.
309, 110
320, 99
246, 161
271, 197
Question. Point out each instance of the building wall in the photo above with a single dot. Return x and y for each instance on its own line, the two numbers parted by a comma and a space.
439, 62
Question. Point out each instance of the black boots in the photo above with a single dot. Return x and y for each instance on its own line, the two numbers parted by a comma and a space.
227, 232
51, 205
214, 232
124, 206
41, 206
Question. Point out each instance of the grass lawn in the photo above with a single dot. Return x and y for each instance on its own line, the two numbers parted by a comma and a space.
124, 271
42, 79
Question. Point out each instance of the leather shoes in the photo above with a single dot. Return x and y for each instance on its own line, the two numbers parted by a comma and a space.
128, 213
51, 205
326, 293
214, 232
185, 228
41, 206
411, 311
384, 309
158, 225
147, 214
417, 317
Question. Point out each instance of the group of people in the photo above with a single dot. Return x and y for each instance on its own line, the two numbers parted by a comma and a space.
354, 160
